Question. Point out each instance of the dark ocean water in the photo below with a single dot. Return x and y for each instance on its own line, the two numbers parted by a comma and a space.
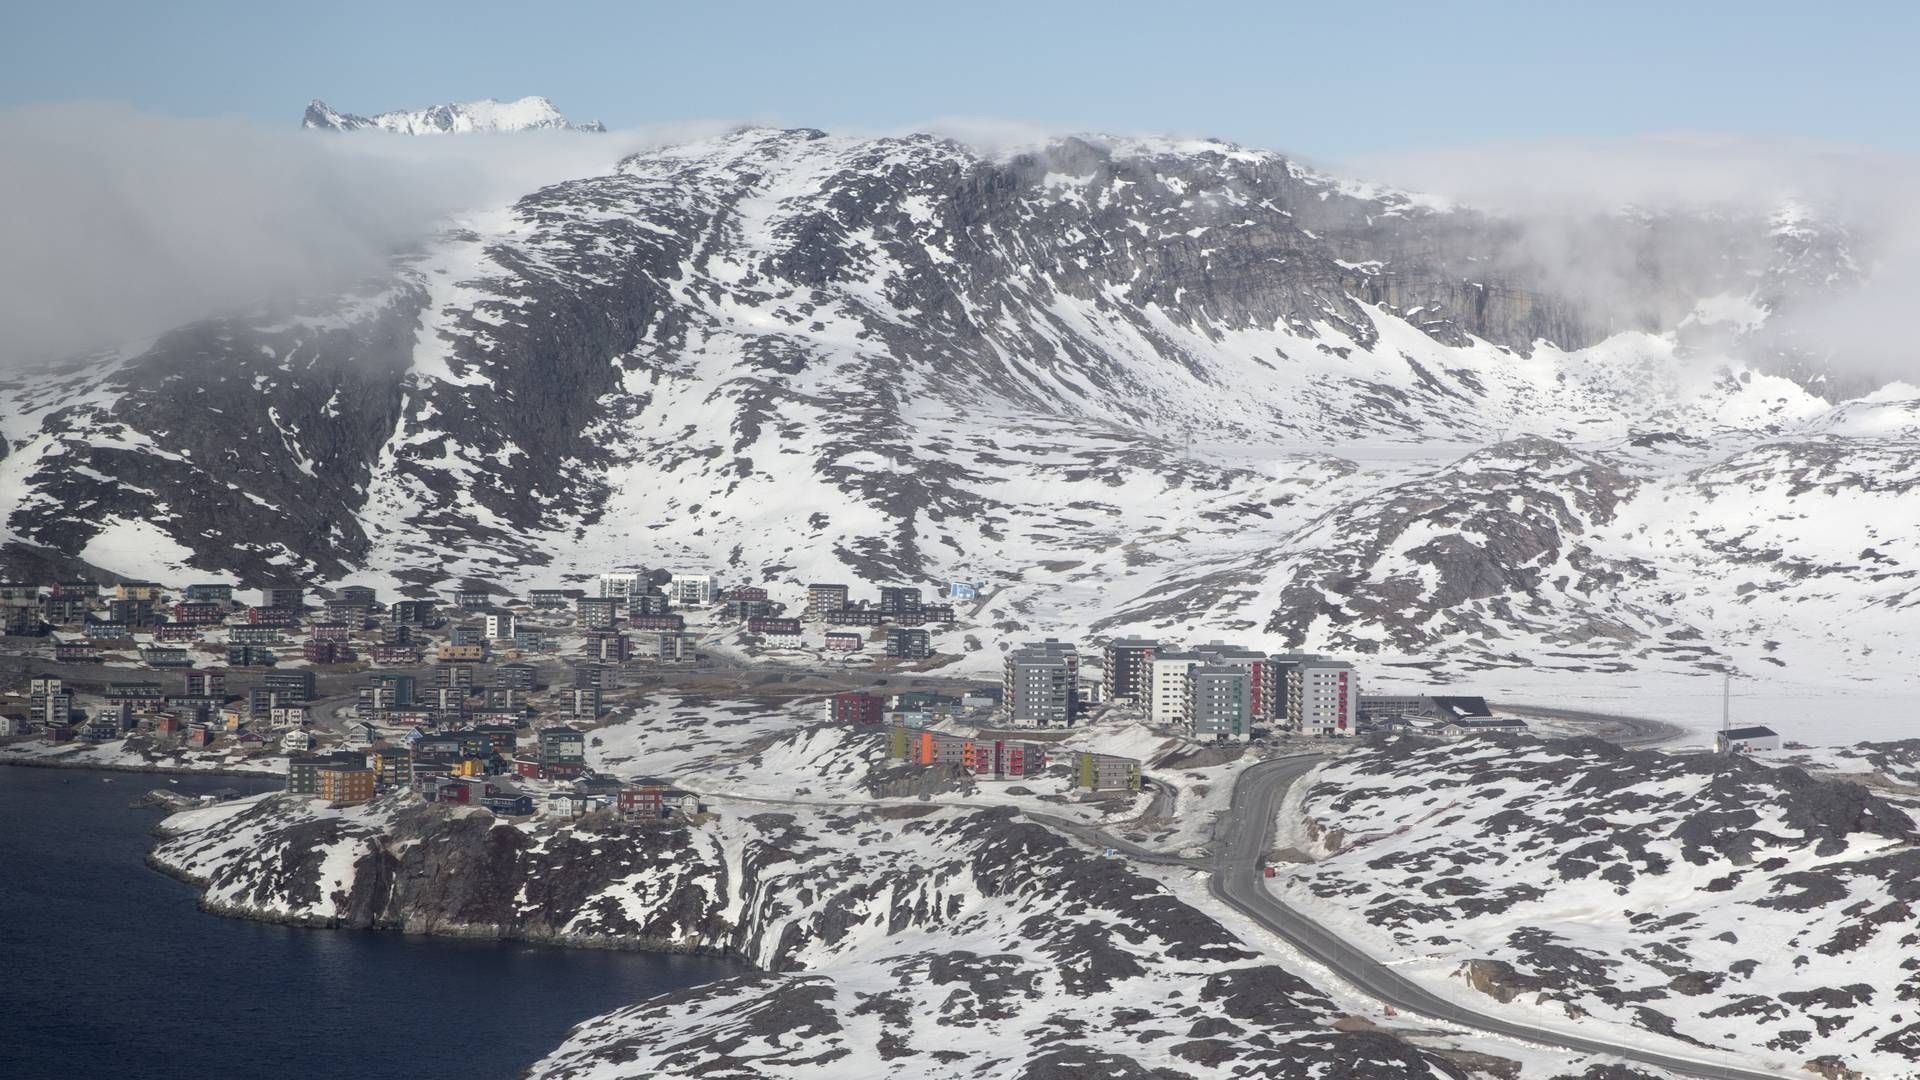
107, 969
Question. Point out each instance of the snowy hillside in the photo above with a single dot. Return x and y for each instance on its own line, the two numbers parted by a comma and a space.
459, 117
1175, 387
1722, 901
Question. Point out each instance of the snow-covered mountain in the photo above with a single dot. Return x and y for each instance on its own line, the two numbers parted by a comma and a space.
459, 117
1177, 387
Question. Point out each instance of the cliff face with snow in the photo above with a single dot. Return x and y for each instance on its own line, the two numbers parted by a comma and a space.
455, 118
1172, 387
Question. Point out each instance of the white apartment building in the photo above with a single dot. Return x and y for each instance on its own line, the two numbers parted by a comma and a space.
1167, 686
691, 590
620, 584
1323, 697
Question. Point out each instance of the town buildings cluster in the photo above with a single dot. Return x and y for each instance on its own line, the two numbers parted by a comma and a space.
1215, 692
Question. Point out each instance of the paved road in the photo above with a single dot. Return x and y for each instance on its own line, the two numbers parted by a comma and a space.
1243, 838
1632, 732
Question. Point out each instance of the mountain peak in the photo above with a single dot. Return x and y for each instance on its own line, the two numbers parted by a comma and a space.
532, 113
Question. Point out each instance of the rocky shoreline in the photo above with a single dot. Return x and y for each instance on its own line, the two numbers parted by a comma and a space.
21, 762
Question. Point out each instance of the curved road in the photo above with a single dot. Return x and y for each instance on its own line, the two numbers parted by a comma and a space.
1242, 841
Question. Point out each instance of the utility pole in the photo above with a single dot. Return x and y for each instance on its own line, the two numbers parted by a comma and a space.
1726, 701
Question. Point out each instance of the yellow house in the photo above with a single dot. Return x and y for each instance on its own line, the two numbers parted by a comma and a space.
472, 766
136, 590
232, 719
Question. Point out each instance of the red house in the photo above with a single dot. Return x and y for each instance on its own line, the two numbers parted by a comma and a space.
643, 800
854, 707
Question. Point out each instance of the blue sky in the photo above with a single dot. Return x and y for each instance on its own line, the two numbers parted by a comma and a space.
1320, 79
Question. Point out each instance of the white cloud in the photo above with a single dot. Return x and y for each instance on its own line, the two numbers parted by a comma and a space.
120, 223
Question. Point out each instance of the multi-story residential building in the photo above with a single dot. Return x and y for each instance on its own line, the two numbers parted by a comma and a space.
392, 766
1167, 685
855, 707
897, 598
462, 654
532, 639
658, 622
65, 610
209, 593
421, 613
563, 747
676, 647
620, 584
131, 612
1105, 772
845, 641
345, 785
744, 608
905, 643
295, 685
350, 613
516, 676
254, 635
1041, 683
855, 616
1170, 689
586, 702
776, 631
251, 656
606, 646
361, 596
691, 590
303, 772
824, 597
597, 612
273, 616
383, 694
500, 625
553, 599
327, 652
395, 654
210, 682
651, 601
139, 590
473, 599
996, 759
199, 612
290, 597
1220, 702
595, 675
1129, 665
1323, 697
106, 630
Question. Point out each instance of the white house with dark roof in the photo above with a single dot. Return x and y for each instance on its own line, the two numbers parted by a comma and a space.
1745, 740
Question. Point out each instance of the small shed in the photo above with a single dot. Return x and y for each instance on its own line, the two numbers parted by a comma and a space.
1745, 740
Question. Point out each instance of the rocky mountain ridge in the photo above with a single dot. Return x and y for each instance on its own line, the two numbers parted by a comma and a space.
1177, 387
458, 117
